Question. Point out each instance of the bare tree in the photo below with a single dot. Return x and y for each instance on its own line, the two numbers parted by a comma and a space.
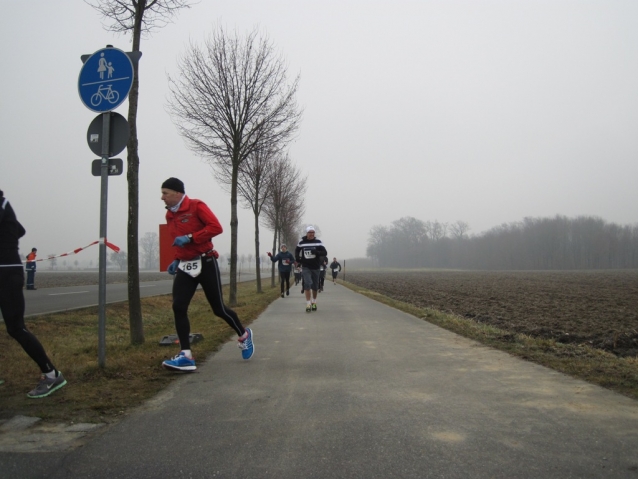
232, 98
150, 250
135, 17
120, 259
285, 208
459, 229
253, 186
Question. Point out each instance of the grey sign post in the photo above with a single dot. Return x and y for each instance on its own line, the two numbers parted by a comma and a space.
104, 83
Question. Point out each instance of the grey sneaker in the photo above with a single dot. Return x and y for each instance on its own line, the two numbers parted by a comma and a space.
47, 385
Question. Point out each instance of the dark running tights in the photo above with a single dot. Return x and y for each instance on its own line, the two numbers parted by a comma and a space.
12, 307
284, 276
184, 287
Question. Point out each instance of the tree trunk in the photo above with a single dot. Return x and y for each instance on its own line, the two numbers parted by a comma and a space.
132, 176
274, 250
259, 290
233, 236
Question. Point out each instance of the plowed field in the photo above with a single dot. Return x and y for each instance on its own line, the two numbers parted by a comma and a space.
598, 308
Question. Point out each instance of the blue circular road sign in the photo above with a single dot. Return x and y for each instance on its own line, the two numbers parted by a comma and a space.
105, 79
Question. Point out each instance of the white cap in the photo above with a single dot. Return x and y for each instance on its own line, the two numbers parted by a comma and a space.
309, 229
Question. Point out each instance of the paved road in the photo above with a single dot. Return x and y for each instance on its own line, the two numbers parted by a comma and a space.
358, 390
53, 300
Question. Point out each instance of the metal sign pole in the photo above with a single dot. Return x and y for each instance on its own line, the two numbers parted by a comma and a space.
105, 80
104, 185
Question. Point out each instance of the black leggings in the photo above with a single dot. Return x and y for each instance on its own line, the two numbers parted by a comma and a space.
284, 276
12, 307
184, 287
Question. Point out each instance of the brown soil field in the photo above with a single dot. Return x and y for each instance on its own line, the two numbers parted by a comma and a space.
597, 308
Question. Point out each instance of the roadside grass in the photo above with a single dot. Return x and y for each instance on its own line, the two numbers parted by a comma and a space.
579, 361
132, 374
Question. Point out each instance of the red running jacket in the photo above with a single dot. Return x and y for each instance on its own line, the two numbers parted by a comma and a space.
193, 217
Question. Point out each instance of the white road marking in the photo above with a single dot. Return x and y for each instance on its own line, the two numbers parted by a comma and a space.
62, 294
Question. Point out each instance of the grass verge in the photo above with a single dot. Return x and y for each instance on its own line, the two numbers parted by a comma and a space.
579, 361
132, 374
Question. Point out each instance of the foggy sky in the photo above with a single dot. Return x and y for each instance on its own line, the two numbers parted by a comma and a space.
481, 111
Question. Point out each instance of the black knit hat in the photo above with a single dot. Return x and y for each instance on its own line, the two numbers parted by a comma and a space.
174, 184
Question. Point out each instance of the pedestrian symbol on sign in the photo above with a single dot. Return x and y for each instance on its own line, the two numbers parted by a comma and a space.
105, 79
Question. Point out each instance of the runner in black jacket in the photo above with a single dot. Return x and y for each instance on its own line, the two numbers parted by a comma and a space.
335, 266
12, 302
309, 252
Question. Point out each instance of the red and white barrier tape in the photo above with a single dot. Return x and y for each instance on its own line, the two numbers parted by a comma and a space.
76, 251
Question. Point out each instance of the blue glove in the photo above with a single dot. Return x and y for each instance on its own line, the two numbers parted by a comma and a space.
181, 241
172, 268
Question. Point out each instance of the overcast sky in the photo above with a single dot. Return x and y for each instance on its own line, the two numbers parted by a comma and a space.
481, 111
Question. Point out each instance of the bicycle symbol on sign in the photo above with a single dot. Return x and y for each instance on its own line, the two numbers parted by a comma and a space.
106, 93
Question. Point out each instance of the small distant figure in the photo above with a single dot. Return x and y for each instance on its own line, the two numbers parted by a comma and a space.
192, 225
335, 266
285, 260
30, 267
309, 252
297, 274
322, 273
12, 301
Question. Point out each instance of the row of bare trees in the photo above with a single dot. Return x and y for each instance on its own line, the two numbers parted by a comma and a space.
558, 243
234, 106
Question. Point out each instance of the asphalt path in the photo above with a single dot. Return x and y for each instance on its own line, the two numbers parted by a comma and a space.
54, 300
357, 390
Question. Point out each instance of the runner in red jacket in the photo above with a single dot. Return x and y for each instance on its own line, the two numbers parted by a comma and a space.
192, 225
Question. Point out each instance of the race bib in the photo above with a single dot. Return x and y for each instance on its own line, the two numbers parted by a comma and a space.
192, 267
286, 262
308, 254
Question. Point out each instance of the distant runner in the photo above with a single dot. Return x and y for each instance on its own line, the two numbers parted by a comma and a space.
285, 261
309, 252
335, 266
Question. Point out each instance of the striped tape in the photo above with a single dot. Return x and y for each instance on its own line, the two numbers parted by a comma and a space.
77, 250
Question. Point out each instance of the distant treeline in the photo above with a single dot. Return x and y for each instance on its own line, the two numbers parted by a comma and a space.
558, 243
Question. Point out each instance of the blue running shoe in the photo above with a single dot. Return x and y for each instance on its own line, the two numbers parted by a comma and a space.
180, 363
247, 347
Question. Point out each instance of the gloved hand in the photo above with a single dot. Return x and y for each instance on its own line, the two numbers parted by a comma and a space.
172, 268
181, 241
269, 254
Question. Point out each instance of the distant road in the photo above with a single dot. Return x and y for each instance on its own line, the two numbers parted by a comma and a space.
54, 300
